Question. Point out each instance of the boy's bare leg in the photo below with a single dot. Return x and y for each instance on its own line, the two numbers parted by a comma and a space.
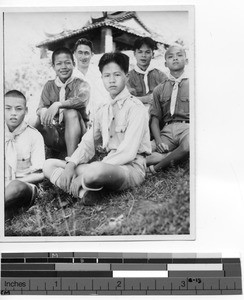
89, 176
35, 122
74, 129
33, 178
17, 194
180, 153
51, 164
99, 174
155, 158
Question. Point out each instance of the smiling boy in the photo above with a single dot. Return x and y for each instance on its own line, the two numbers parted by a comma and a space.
83, 52
170, 113
144, 77
62, 108
122, 124
24, 155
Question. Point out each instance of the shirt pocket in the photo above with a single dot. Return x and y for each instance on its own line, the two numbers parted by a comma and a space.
165, 103
23, 163
184, 104
165, 98
137, 86
120, 128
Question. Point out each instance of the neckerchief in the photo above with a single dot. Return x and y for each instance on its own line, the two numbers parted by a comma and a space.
108, 114
176, 81
10, 149
145, 73
62, 86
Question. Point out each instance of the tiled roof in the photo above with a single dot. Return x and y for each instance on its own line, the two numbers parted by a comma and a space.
108, 21
125, 16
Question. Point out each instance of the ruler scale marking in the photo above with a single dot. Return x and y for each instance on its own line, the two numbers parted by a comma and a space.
119, 273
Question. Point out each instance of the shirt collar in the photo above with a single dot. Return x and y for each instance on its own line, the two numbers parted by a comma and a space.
121, 97
183, 77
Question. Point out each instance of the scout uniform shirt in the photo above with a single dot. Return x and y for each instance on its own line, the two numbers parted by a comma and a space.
161, 102
136, 84
24, 151
78, 90
123, 126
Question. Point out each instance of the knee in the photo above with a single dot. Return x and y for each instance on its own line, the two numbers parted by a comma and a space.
35, 121
71, 115
48, 167
18, 188
94, 173
185, 146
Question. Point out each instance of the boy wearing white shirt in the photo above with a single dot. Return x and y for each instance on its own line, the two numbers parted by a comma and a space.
24, 155
83, 52
170, 114
144, 77
122, 124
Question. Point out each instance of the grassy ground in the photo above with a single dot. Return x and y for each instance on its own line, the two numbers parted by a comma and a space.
158, 207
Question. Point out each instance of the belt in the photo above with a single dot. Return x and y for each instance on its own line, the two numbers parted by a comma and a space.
176, 121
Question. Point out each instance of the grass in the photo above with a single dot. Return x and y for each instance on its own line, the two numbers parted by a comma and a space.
158, 207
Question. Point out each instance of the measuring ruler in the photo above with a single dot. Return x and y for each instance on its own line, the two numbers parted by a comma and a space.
79, 273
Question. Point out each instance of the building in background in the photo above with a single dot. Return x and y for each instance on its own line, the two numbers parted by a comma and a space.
112, 31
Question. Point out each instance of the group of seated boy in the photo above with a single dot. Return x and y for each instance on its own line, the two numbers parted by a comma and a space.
142, 122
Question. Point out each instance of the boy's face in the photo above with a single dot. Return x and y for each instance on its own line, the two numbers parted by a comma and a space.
143, 56
114, 79
175, 59
15, 111
63, 66
83, 55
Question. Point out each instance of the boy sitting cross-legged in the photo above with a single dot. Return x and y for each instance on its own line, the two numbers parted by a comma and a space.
170, 114
24, 155
122, 124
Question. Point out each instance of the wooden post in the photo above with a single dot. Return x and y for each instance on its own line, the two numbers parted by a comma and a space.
43, 52
106, 40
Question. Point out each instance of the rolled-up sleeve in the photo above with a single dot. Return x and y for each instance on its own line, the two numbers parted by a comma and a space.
86, 148
45, 97
128, 149
37, 152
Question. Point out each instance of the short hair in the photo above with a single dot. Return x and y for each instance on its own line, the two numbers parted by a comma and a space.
62, 50
144, 41
173, 46
84, 41
119, 58
17, 94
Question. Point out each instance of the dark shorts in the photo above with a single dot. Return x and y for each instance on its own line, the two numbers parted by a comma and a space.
54, 137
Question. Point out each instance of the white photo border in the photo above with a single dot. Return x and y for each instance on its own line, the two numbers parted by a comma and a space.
191, 26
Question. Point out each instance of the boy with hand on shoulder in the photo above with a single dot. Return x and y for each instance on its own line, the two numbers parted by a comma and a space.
170, 113
122, 124
62, 109
144, 78
24, 155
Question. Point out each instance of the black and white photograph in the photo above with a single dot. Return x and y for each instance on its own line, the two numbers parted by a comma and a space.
97, 111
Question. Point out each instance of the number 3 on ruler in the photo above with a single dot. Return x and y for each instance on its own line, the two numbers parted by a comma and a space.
183, 284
